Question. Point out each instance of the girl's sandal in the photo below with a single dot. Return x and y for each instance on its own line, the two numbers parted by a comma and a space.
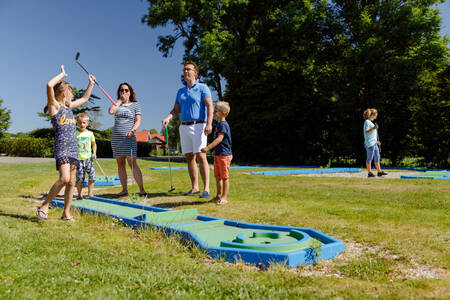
67, 218
39, 211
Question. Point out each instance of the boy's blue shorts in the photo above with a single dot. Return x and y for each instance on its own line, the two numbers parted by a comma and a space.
86, 166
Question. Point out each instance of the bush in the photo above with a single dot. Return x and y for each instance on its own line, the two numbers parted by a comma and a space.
104, 149
143, 149
159, 152
28, 147
47, 133
2, 145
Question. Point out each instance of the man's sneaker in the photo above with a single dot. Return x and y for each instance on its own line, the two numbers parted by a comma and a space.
370, 175
381, 174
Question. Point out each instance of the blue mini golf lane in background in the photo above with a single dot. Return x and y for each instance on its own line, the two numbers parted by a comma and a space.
222, 238
237, 167
185, 168
307, 171
432, 174
418, 169
111, 180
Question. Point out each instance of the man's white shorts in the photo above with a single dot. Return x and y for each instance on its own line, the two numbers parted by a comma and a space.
193, 137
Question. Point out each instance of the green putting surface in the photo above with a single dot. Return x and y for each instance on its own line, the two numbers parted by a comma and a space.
435, 174
214, 233
217, 234
172, 217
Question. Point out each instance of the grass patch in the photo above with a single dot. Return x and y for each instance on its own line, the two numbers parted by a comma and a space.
401, 226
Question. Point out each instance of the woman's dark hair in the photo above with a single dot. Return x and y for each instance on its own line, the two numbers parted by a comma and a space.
132, 94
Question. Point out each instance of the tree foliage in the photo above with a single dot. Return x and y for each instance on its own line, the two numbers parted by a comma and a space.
5, 119
299, 74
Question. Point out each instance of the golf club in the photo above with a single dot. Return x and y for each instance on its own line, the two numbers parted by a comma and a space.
96, 82
170, 169
103, 172
132, 171
378, 137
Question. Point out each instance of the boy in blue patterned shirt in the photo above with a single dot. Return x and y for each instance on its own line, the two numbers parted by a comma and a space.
222, 154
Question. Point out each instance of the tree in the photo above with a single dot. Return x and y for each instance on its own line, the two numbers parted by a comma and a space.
390, 47
431, 120
304, 71
5, 119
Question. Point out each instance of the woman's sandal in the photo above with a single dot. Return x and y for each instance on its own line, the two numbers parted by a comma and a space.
122, 193
222, 202
142, 194
39, 211
215, 199
67, 218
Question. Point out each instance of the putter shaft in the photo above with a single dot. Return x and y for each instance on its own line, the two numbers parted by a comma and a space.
96, 82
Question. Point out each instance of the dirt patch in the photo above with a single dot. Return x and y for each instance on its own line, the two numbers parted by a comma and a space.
404, 267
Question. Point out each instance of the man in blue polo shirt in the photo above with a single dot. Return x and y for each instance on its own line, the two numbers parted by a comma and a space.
195, 105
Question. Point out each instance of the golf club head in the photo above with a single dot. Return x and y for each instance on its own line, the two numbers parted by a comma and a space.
172, 189
77, 56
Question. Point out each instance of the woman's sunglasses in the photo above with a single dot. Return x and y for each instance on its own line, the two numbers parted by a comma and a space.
124, 90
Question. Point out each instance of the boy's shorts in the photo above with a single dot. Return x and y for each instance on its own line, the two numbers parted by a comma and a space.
222, 166
193, 138
86, 166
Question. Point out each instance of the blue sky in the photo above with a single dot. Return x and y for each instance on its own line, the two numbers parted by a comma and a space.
38, 36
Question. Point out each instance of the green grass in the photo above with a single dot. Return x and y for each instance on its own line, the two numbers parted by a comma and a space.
393, 229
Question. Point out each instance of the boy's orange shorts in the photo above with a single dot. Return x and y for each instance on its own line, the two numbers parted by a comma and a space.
222, 166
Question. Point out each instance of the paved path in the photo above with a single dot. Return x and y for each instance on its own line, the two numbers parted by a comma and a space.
12, 159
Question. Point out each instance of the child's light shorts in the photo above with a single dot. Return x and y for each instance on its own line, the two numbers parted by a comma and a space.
222, 166
193, 138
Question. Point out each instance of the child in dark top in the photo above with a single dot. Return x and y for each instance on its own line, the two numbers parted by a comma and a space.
223, 154
59, 109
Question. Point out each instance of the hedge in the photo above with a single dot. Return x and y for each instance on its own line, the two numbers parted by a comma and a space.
28, 147
43, 147
104, 149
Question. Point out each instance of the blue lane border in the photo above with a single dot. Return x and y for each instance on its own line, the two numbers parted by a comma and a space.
423, 177
308, 171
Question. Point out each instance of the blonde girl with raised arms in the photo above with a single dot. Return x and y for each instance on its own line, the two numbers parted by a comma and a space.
59, 109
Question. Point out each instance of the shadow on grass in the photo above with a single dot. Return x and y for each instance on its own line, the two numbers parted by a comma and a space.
181, 203
149, 195
20, 217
